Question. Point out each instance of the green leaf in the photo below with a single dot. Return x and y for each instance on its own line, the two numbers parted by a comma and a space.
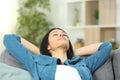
32, 24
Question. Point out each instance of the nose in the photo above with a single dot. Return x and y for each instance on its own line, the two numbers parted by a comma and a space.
61, 34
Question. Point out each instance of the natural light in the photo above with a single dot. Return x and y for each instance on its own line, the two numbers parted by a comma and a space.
8, 17
4, 15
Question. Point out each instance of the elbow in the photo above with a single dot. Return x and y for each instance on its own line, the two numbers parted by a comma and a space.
10, 39
106, 45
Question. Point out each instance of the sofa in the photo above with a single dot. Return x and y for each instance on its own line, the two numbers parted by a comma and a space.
110, 70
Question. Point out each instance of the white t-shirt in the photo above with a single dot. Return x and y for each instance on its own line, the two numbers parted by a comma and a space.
64, 72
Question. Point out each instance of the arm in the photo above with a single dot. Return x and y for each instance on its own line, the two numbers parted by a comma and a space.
87, 50
13, 44
30, 46
99, 57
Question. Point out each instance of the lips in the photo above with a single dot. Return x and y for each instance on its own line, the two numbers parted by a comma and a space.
62, 38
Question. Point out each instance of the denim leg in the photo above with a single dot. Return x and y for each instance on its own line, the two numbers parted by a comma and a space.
94, 61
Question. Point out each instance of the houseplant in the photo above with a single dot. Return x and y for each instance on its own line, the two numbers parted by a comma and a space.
114, 44
76, 20
96, 16
32, 23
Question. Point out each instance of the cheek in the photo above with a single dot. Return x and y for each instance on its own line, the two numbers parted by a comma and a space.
68, 45
52, 43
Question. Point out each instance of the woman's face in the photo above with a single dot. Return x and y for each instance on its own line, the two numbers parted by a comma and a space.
58, 39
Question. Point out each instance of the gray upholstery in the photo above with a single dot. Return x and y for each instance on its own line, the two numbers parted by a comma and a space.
116, 64
8, 59
105, 72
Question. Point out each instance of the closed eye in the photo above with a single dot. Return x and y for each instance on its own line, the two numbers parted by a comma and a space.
55, 34
65, 35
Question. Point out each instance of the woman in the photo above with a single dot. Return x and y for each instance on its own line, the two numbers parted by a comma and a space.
55, 60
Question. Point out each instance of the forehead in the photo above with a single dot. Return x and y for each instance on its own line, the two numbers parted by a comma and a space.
57, 30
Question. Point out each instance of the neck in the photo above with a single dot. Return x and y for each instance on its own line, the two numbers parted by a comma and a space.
61, 54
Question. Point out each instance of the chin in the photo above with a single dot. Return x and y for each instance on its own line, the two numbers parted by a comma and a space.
65, 45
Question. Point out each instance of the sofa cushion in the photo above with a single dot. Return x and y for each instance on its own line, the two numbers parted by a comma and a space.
116, 64
10, 60
105, 72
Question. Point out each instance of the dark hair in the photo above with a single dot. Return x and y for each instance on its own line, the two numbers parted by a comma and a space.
44, 45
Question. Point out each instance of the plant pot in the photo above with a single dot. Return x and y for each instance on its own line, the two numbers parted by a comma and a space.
78, 45
97, 21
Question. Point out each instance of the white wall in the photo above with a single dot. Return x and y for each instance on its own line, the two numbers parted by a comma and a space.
118, 21
118, 12
60, 17
58, 12
8, 17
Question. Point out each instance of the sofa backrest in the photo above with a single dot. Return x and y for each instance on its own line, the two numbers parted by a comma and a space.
10, 60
